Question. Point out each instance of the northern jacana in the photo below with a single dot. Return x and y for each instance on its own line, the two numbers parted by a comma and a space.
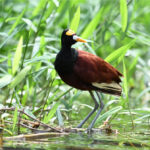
85, 71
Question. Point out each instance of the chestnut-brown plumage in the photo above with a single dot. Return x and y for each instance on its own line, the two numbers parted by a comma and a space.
85, 71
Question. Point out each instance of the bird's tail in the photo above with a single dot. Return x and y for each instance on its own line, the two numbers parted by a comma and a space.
109, 88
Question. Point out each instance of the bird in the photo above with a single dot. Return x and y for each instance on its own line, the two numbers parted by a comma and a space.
87, 72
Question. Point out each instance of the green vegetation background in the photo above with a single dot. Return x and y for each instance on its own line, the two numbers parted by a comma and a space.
118, 31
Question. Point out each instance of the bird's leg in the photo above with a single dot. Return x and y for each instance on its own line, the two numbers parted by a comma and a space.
88, 116
98, 113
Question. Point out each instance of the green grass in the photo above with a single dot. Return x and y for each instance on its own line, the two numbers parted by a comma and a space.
118, 31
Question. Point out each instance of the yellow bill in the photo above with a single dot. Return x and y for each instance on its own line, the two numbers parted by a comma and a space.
78, 39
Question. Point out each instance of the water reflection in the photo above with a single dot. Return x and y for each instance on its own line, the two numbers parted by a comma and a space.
83, 141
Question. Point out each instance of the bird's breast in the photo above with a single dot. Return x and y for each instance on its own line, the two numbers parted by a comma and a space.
64, 67
64, 62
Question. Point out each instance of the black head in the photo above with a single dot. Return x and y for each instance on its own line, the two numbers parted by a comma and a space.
69, 38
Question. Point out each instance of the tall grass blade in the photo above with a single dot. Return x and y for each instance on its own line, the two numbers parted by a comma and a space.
75, 21
147, 90
5, 80
15, 118
62, 9
49, 10
9, 63
59, 116
8, 38
142, 118
17, 56
125, 83
17, 21
51, 113
93, 24
132, 67
27, 111
30, 24
125, 86
109, 113
20, 76
119, 53
124, 14
39, 7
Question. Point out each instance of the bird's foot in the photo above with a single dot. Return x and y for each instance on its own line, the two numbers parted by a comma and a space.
89, 130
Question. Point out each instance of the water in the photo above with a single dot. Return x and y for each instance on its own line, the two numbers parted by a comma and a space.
102, 140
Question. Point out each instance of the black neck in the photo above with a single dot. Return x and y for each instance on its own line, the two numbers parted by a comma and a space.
65, 47
65, 60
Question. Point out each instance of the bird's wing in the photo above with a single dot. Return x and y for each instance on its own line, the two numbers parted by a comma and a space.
92, 69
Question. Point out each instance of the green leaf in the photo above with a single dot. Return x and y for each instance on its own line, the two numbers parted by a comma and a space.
124, 14
53, 74
9, 63
64, 93
17, 56
20, 76
8, 131
5, 80
109, 113
49, 10
39, 7
119, 53
17, 21
75, 21
10, 19
30, 24
51, 112
62, 9
132, 67
59, 116
143, 117
134, 62
93, 24
27, 111
15, 118
142, 94
125, 83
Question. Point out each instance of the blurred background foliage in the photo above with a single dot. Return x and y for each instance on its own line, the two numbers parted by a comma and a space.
30, 31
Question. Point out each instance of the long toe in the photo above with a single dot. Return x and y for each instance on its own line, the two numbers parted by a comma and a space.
89, 130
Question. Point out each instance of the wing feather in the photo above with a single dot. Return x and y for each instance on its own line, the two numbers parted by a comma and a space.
98, 73
97, 70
